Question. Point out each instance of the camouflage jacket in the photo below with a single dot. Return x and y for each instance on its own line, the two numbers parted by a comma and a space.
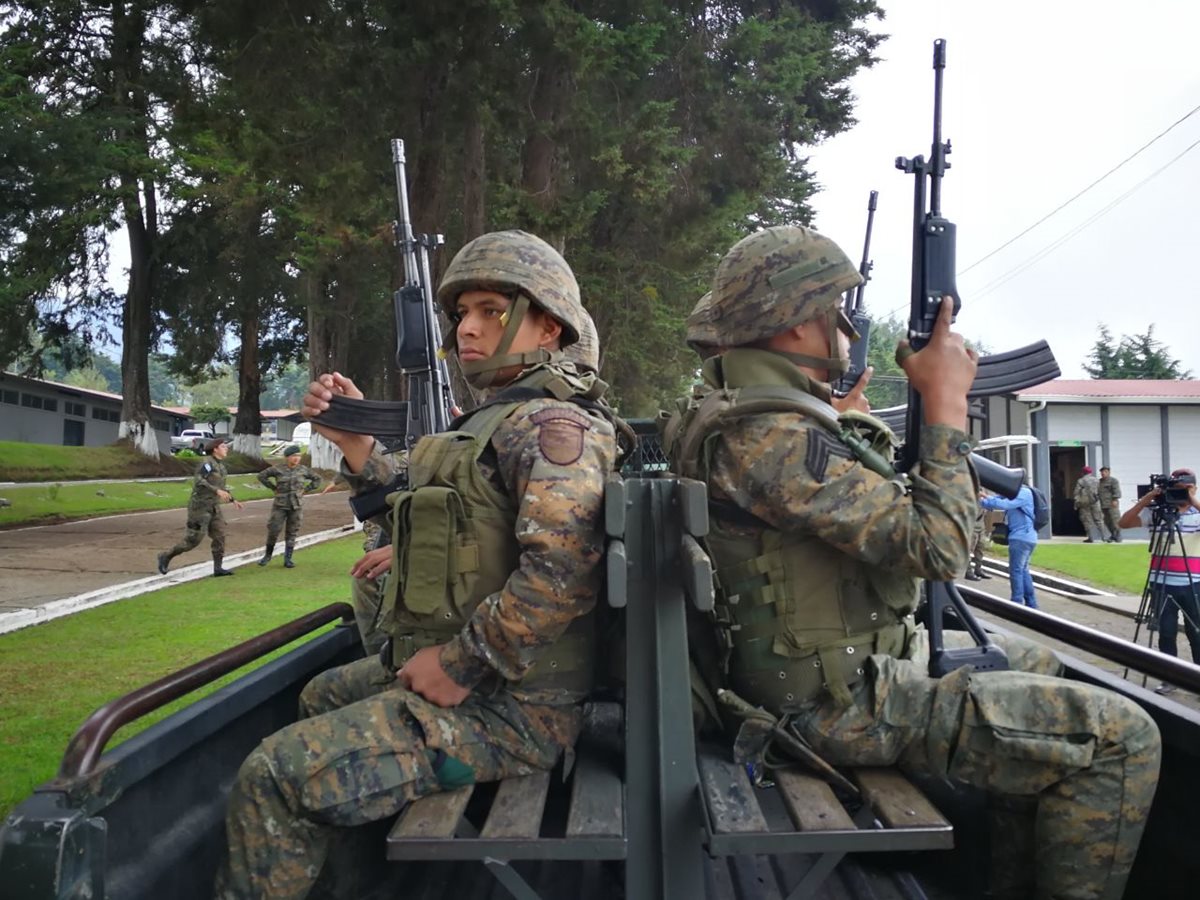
792, 475
1087, 491
289, 484
551, 458
210, 478
1109, 491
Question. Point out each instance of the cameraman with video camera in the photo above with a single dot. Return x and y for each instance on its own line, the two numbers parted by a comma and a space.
1171, 510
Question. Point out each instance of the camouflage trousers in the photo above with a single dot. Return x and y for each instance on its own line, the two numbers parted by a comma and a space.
281, 517
363, 749
1093, 522
1111, 516
199, 522
366, 594
1078, 764
978, 540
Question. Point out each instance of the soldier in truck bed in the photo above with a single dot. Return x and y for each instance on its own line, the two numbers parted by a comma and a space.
489, 608
817, 558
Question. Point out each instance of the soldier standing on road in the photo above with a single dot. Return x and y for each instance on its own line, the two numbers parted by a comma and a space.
1087, 504
204, 509
817, 555
1109, 492
490, 604
978, 541
289, 482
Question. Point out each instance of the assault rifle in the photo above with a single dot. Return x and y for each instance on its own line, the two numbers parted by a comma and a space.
933, 277
856, 312
399, 425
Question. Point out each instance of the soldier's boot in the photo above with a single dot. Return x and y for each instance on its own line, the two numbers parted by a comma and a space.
979, 573
971, 575
218, 569
267, 556
164, 560
287, 557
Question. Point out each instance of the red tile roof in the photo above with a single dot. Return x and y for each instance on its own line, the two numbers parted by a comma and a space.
1113, 388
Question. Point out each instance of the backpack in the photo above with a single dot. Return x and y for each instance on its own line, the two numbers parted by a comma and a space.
1041, 509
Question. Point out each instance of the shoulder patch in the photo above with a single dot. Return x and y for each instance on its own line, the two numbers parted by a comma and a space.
822, 446
560, 434
206, 468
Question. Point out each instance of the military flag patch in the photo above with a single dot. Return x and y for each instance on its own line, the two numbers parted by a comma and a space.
821, 447
560, 434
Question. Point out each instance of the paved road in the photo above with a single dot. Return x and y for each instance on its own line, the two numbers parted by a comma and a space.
49, 562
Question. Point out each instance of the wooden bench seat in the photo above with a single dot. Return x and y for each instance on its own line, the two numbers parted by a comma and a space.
801, 813
529, 817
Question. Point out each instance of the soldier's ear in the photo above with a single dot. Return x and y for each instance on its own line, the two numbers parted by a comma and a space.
550, 332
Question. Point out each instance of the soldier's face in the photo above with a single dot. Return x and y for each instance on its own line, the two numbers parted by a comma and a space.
221, 451
293, 460
481, 324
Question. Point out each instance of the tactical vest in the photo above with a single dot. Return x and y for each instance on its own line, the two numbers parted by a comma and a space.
795, 616
454, 541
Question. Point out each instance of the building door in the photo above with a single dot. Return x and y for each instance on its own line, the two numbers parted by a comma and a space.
72, 433
1066, 464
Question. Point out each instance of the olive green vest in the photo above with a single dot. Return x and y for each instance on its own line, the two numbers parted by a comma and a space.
795, 616
454, 539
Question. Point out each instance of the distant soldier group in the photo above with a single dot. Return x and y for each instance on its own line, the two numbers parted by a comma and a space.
487, 617
209, 493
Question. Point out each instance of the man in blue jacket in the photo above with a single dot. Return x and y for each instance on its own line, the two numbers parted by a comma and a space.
1022, 539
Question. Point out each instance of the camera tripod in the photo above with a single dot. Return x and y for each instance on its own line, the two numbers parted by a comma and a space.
1157, 600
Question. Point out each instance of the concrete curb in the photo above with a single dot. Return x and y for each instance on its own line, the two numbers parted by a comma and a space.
55, 609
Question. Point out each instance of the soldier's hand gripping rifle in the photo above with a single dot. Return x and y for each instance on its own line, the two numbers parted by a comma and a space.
399, 425
933, 277
856, 312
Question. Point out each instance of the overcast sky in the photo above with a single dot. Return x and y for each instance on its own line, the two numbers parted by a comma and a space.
1040, 99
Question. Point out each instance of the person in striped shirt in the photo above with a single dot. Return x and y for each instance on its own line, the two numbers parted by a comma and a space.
1174, 563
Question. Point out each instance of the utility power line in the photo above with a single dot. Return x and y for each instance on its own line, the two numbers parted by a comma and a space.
1050, 248
1075, 197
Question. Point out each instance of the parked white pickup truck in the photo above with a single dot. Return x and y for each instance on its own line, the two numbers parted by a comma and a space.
190, 439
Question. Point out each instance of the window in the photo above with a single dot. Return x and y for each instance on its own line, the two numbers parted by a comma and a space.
10, 397
50, 404
31, 401
75, 409
160, 425
105, 415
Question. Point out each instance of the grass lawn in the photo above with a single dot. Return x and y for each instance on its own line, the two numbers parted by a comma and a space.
54, 502
20, 461
54, 675
1115, 567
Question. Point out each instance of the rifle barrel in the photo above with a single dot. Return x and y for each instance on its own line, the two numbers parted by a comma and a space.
937, 158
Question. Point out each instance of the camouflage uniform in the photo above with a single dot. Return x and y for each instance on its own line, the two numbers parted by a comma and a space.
816, 557
289, 484
1087, 504
366, 595
978, 542
367, 746
1108, 490
203, 515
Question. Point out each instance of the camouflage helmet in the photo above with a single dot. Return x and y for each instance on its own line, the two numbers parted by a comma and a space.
585, 352
701, 336
772, 280
508, 261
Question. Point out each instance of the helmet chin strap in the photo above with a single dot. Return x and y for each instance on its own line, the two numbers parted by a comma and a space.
832, 365
481, 373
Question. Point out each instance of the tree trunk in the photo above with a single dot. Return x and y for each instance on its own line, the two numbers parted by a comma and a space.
138, 207
539, 155
247, 427
474, 176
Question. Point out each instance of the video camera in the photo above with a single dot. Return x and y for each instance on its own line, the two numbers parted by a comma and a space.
1173, 489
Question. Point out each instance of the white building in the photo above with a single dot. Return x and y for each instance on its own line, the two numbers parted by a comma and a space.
1136, 428
46, 412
